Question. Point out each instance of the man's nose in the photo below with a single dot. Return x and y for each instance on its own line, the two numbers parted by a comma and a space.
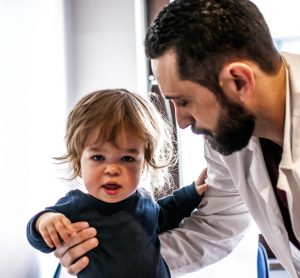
183, 119
112, 170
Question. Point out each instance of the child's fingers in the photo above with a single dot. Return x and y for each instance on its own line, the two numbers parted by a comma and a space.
201, 178
68, 224
54, 236
55, 227
47, 238
65, 229
201, 188
203, 174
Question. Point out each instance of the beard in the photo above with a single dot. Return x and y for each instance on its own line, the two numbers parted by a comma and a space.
234, 129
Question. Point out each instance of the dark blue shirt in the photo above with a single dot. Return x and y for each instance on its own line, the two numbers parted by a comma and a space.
127, 230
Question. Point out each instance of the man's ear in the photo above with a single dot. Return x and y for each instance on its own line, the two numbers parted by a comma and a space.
237, 79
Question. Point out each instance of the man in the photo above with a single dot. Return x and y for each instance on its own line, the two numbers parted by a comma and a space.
217, 63
215, 60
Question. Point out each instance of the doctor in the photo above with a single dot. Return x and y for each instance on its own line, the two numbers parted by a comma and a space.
215, 60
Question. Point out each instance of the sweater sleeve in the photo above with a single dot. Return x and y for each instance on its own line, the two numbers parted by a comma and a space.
174, 208
65, 206
35, 239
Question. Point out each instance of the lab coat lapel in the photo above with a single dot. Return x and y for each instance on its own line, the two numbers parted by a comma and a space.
259, 174
265, 209
289, 168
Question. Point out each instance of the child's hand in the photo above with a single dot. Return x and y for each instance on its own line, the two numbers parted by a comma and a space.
54, 227
200, 184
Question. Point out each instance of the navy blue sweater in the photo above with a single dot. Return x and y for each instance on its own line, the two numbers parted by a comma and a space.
128, 230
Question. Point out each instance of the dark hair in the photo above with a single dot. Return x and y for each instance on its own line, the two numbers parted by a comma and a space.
206, 34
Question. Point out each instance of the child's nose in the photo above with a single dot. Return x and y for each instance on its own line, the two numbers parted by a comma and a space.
112, 170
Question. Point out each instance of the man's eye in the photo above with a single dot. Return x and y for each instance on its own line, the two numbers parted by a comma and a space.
98, 157
127, 159
180, 103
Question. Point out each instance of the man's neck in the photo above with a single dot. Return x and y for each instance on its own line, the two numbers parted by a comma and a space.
271, 111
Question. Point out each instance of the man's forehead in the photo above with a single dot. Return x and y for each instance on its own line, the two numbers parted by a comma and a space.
165, 71
166, 62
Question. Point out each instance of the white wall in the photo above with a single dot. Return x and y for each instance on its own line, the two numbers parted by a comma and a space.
52, 52
32, 111
103, 41
282, 18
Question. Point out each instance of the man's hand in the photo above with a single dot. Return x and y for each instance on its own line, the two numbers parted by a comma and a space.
71, 255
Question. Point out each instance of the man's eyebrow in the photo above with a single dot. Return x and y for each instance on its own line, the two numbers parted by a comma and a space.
171, 97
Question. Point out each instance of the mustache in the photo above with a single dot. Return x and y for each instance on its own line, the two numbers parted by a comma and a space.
201, 131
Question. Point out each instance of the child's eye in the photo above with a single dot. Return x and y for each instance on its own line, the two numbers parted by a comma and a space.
98, 157
127, 159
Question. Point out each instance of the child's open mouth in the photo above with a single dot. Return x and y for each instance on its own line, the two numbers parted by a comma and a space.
111, 189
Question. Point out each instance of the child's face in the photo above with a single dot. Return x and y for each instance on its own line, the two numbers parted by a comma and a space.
111, 172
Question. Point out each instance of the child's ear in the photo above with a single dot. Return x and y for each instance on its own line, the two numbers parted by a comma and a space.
237, 80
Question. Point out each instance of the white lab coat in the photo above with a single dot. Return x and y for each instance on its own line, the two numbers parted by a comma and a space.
239, 179
212, 232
